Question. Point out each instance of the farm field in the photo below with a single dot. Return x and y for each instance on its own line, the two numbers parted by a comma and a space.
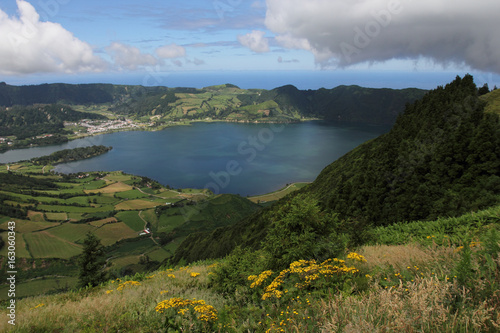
53, 213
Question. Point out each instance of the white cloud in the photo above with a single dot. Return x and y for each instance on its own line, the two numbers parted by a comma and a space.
129, 57
28, 46
255, 41
171, 51
346, 32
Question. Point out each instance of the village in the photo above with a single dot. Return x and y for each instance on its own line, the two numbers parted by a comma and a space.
95, 127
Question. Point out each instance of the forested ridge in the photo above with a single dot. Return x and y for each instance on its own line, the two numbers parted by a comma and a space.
28, 121
286, 103
441, 158
68, 155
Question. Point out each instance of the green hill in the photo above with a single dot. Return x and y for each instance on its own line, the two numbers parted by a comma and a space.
441, 158
223, 102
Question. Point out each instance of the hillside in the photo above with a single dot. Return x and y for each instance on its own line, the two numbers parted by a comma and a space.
344, 103
441, 158
75, 94
442, 278
52, 213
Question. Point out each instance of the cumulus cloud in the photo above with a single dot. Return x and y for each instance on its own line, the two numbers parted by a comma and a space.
255, 41
28, 45
129, 57
347, 32
171, 51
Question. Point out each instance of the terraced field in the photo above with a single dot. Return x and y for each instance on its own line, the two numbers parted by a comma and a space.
58, 211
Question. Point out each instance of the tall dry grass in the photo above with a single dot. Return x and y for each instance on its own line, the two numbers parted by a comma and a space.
426, 305
129, 310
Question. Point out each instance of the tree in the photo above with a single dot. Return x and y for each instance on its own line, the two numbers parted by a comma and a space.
300, 230
484, 89
91, 262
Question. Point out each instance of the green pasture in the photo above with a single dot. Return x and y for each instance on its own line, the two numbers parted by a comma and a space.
158, 254
72, 232
150, 216
45, 245
119, 263
118, 177
168, 194
25, 198
273, 196
40, 286
112, 188
94, 185
74, 209
131, 194
139, 246
132, 219
137, 204
21, 251
167, 223
56, 216
102, 222
24, 226
82, 200
113, 232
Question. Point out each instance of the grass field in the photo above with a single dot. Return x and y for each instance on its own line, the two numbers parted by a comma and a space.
278, 194
131, 219
168, 223
139, 246
75, 209
45, 245
21, 251
113, 232
136, 204
158, 254
23, 226
41, 285
118, 177
131, 194
71, 232
35, 216
57, 216
113, 188
102, 222
118, 263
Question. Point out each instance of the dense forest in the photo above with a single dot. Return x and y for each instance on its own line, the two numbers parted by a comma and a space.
440, 159
29, 121
342, 103
68, 155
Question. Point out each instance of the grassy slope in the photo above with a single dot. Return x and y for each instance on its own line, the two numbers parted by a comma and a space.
415, 286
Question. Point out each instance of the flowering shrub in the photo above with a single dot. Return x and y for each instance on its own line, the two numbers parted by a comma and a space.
304, 274
205, 314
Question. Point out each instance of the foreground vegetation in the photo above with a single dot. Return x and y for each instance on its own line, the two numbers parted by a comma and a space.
425, 284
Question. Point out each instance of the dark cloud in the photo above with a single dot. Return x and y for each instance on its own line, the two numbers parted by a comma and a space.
346, 32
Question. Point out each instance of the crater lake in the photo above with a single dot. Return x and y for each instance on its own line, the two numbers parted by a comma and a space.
245, 159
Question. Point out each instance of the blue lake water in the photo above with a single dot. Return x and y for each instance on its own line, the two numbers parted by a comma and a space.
245, 159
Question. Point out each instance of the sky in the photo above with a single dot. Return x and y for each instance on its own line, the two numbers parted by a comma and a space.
257, 43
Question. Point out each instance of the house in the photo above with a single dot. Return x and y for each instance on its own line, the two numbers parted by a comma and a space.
145, 232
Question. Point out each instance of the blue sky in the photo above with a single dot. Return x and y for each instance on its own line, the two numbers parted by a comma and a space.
144, 42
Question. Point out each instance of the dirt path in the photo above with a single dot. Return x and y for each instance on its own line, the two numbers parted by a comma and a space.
145, 226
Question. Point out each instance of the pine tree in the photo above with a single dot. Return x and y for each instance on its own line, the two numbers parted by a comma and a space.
91, 262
